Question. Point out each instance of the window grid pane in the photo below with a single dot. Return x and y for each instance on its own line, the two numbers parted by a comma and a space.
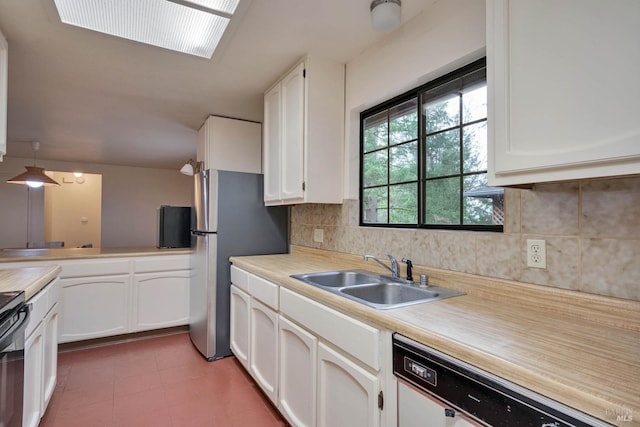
376, 168
440, 207
375, 205
443, 154
376, 132
403, 204
403, 163
474, 146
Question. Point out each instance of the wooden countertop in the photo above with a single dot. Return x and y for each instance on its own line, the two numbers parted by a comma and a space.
580, 349
19, 255
28, 279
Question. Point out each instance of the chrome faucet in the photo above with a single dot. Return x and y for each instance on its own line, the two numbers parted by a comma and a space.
394, 264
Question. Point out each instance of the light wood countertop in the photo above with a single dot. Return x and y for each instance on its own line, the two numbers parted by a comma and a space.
29, 279
26, 255
580, 349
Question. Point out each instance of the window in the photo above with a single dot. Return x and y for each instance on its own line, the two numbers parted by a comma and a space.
424, 157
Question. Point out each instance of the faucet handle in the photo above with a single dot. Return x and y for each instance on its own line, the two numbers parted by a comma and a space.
409, 268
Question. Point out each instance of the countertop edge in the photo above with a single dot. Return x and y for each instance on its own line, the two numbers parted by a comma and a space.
31, 280
31, 255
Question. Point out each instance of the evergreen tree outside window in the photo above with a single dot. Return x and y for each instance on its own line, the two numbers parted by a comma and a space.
424, 157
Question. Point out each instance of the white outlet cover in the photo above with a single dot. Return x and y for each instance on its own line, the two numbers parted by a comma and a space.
318, 235
536, 253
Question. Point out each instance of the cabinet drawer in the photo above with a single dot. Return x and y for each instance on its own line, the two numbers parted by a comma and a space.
95, 268
38, 311
53, 292
161, 263
354, 337
264, 290
240, 278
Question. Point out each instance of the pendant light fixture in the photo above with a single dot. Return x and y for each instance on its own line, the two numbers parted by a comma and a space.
385, 15
34, 177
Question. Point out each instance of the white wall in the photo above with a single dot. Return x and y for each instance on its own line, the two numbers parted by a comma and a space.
130, 197
449, 34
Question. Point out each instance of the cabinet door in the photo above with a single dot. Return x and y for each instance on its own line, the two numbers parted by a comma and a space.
263, 350
230, 144
292, 151
33, 370
50, 355
272, 135
347, 393
160, 300
94, 307
563, 89
240, 325
297, 374
4, 70
415, 407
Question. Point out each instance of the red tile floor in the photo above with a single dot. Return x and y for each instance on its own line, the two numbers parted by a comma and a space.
160, 381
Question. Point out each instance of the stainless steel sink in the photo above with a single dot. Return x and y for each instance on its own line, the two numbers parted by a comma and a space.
380, 292
339, 279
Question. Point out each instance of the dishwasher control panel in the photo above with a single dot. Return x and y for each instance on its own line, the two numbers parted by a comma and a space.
427, 374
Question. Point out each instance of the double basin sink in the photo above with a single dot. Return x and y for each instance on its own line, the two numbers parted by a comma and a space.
374, 290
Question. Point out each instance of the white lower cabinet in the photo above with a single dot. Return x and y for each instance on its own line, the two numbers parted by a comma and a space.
33, 377
160, 300
40, 354
94, 307
113, 296
240, 325
50, 362
263, 348
347, 393
319, 366
415, 407
297, 374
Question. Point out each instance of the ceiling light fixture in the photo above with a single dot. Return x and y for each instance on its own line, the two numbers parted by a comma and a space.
189, 26
385, 15
34, 177
191, 167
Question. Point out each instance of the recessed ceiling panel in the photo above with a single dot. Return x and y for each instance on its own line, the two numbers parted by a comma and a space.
156, 22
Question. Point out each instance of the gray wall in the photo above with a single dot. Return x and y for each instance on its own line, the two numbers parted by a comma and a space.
130, 197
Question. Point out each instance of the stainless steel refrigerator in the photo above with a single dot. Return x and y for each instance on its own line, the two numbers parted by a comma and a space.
230, 220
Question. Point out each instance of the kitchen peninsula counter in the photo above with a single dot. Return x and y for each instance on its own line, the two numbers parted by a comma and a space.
580, 349
55, 254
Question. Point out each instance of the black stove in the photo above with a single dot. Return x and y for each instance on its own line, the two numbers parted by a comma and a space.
9, 301
9, 304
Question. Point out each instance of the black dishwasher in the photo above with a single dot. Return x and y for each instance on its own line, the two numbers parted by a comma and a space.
484, 397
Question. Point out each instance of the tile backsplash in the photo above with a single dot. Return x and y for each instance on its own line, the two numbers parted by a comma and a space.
591, 228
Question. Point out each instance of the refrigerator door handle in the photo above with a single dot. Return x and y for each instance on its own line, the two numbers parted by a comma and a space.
202, 233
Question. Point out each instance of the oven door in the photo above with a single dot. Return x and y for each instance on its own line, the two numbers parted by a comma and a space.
12, 366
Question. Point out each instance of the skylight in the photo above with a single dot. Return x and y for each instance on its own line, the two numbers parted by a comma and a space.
189, 26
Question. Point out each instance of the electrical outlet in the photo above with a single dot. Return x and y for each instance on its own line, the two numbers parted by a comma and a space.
318, 235
536, 253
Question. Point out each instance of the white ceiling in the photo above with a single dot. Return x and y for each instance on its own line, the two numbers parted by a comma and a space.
90, 97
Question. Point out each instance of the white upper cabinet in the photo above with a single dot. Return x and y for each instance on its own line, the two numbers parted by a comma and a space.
230, 144
292, 135
4, 73
563, 89
304, 135
271, 148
